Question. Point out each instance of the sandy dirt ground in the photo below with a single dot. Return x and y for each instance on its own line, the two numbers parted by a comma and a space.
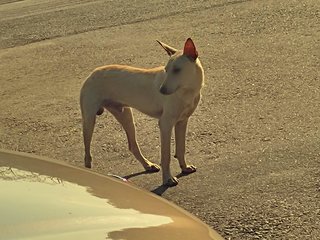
255, 136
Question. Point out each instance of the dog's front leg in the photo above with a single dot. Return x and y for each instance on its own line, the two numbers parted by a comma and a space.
180, 137
166, 127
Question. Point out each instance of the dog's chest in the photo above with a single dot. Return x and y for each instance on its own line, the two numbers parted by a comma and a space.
189, 108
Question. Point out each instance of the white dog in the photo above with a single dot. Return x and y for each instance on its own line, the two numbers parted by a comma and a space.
170, 94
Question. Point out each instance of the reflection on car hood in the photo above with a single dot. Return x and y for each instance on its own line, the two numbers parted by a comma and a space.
45, 206
44, 199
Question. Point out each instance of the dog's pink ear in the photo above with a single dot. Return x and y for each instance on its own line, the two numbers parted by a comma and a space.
169, 50
190, 49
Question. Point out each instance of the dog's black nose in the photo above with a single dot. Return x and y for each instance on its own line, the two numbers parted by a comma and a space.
164, 90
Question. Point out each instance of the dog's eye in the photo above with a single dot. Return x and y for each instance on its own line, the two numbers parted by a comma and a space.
176, 70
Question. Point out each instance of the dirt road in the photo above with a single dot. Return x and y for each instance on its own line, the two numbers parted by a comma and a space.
255, 136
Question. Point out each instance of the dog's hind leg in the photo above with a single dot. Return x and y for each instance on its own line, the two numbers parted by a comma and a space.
89, 110
125, 118
88, 126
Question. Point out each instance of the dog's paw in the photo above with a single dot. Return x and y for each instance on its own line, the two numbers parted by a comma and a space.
189, 169
152, 168
171, 182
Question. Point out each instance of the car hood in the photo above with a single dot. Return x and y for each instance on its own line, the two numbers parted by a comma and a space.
45, 199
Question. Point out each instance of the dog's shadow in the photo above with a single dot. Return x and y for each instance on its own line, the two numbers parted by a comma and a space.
136, 174
158, 190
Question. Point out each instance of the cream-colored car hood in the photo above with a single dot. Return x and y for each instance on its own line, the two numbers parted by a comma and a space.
44, 199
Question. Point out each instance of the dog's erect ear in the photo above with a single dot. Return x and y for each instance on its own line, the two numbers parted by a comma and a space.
190, 49
169, 50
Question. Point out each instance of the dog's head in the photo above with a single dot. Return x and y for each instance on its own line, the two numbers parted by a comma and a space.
183, 70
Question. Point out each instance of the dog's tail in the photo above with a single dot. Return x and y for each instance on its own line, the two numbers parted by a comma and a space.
100, 111
87, 100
